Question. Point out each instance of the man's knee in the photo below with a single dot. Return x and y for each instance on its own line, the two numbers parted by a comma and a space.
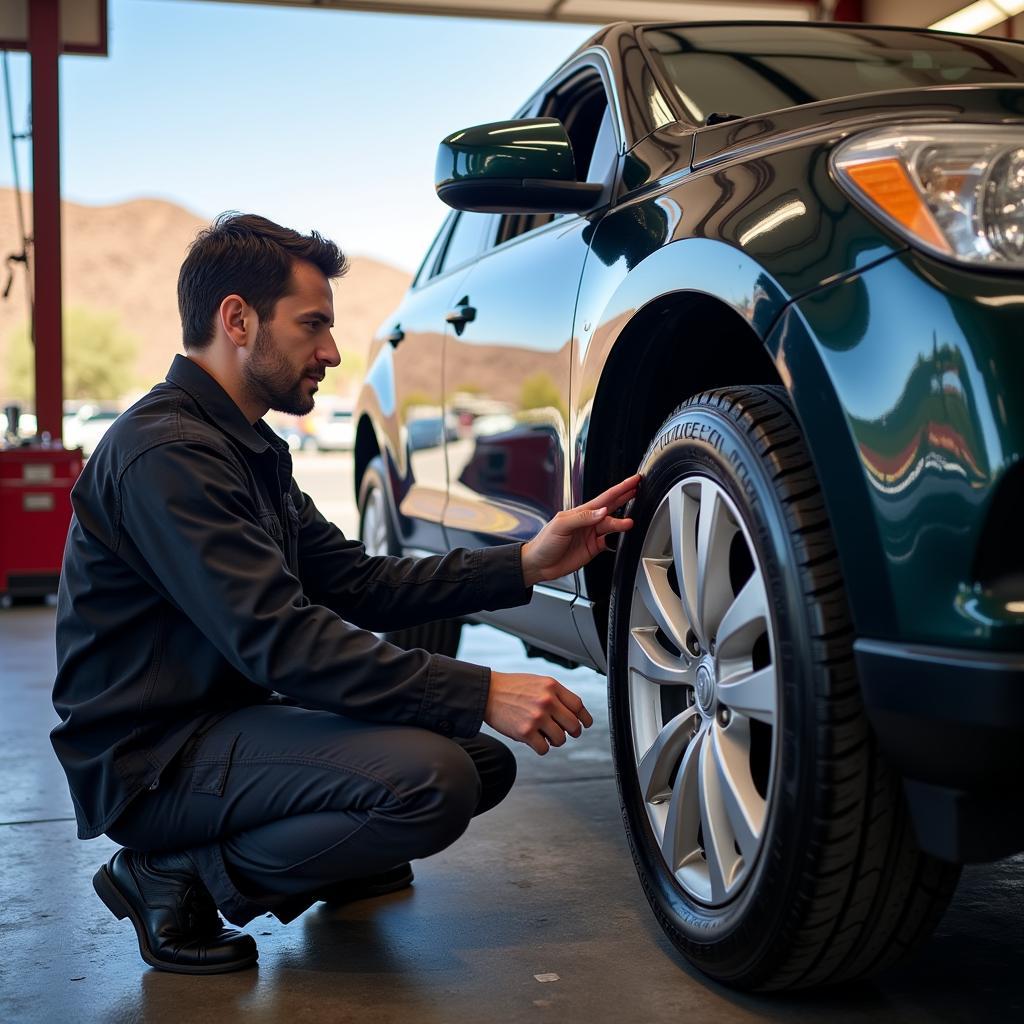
442, 798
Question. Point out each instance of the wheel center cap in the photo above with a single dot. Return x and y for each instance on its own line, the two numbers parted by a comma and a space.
705, 688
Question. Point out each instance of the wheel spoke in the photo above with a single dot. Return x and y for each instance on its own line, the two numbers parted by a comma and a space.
683, 518
714, 533
656, 766
744, 806
713, 820
744, 620
653, 662
752, 695
661, 600
683, 823
375, 530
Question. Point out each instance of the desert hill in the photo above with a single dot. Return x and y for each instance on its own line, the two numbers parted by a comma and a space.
125, 258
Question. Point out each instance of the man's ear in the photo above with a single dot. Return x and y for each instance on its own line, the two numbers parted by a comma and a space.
237, 320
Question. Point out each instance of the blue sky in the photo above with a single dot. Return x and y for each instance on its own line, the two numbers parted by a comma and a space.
316, 118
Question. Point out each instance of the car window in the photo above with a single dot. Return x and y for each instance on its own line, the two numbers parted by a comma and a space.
582, 106
606, 149
467, 239
583, 122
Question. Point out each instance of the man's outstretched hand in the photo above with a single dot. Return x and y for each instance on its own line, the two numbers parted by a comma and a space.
539, 710
576, 535
536, 710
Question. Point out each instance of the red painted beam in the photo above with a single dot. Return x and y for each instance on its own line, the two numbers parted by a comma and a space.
44, 48
848, 10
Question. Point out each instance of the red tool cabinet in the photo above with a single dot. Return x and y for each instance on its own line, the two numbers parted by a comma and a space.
35, 512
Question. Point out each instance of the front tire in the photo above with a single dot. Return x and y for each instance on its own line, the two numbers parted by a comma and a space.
771, 839
377, 532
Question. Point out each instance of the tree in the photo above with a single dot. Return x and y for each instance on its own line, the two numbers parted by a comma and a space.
540, 392
99, 356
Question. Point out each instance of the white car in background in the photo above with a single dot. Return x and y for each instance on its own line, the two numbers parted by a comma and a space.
84, 428
335, 431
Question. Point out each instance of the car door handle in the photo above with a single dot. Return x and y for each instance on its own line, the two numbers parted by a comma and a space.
463, 314
397, 336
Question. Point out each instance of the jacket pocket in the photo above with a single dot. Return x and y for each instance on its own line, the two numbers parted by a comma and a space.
269, 522
211, 762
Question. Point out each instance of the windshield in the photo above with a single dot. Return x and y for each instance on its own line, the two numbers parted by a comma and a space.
749, 69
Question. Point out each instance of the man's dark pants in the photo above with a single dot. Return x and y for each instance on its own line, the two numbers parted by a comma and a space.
274, 802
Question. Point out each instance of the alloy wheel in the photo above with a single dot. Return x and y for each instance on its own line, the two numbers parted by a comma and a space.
703, 690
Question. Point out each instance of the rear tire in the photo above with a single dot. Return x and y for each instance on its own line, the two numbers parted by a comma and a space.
377, 532
788, 860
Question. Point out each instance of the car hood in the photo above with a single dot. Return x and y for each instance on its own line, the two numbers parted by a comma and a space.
974, 103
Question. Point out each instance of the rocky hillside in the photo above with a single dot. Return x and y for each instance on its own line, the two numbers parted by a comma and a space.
125, 259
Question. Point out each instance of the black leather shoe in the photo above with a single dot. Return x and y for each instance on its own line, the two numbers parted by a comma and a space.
362, 888
175, 917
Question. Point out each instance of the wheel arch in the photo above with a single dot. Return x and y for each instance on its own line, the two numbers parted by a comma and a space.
652, 365
365, 449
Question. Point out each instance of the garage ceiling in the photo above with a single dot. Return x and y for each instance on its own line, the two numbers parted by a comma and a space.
589, 12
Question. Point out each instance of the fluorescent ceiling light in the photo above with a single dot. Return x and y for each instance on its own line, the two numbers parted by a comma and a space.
978, 17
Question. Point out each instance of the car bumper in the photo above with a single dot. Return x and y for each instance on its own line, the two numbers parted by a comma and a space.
952, 722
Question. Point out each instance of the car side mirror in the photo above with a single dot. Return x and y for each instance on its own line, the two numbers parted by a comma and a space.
522, 166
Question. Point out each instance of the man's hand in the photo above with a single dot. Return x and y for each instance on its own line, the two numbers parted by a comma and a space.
536, 710
576, 535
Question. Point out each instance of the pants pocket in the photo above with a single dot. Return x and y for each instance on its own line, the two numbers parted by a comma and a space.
212, 761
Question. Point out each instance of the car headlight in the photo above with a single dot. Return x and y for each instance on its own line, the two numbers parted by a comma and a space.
955, 190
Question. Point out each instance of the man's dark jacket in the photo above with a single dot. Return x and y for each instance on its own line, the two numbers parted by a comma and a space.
198, 578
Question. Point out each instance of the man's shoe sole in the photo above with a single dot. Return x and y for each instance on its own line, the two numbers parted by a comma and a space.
107, 890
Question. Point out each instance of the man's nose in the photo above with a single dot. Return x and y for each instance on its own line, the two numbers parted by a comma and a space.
330, 354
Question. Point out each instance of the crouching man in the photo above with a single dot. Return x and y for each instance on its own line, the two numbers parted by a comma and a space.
226, 714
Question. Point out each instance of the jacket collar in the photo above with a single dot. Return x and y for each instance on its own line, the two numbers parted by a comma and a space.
219, 406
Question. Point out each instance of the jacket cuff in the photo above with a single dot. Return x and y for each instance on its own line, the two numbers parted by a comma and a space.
456, 697
499, 578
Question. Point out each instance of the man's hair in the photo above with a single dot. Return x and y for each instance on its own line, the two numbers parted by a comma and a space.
247, 255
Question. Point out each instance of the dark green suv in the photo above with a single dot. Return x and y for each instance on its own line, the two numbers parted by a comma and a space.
778, 268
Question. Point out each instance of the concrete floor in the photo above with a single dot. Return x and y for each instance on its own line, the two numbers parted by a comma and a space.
544, 884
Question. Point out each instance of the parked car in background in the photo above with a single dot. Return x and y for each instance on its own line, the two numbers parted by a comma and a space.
298, 431
84, 428
777, 268
325, 429
334, 430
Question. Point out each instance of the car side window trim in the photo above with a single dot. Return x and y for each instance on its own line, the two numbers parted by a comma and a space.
595, 59
430, 261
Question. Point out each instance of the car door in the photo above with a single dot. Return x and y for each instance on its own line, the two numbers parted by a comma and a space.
507, 364
416, 349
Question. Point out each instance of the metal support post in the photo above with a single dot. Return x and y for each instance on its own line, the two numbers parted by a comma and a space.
44, 48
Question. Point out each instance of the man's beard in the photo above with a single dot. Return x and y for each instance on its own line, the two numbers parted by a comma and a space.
271, 380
